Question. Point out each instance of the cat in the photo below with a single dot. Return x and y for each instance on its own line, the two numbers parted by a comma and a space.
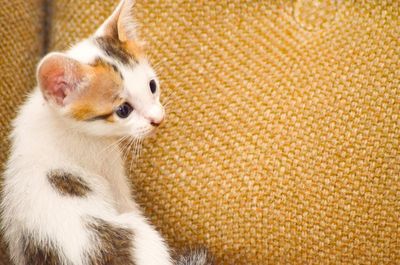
66, 199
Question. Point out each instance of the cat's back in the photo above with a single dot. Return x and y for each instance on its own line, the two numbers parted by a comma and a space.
44, 193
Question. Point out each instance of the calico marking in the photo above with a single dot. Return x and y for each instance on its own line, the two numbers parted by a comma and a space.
115, 244
101, 94
99, 62
115, 49
40, 254
68, 184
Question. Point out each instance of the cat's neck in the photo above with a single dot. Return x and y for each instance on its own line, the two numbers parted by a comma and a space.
46, 137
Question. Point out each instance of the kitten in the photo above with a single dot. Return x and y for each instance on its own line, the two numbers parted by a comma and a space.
66, 198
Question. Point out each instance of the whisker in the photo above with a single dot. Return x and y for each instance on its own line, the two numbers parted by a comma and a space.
121, 149
125, 150
169, 95
114, 144
167, 104
132, 142
134, 156
171, 92
158, 64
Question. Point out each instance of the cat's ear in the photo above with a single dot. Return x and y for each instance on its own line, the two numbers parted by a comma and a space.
120, 24
59, 77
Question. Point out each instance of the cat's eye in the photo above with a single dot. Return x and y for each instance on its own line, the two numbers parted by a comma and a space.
153, 86
124, 110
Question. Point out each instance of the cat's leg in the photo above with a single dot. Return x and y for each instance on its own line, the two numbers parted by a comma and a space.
121, 190
129, 224
149, 247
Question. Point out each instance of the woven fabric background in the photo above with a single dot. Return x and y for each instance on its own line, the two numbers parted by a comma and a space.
281, 144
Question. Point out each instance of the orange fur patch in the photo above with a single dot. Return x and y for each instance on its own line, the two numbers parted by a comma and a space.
100, 96
134, 48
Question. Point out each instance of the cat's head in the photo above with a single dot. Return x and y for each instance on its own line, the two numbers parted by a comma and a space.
104, 85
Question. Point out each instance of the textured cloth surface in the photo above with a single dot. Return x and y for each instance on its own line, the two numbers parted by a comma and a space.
21, 42
281, 144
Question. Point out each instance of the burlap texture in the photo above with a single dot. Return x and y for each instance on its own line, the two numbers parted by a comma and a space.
281, 144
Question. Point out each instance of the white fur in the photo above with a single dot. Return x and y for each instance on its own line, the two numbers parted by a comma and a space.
44, 139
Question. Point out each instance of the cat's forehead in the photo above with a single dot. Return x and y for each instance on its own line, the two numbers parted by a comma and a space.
126, 58
127, 53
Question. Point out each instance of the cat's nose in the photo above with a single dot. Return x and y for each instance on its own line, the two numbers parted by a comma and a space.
156, 115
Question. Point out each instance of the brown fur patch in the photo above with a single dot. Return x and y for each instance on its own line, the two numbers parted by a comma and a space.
68, 184
100, 96
125, 52
36, 253
115, 244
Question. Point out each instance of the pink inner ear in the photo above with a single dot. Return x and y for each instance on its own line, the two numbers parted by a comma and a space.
58, 77
55, 86
58, 89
